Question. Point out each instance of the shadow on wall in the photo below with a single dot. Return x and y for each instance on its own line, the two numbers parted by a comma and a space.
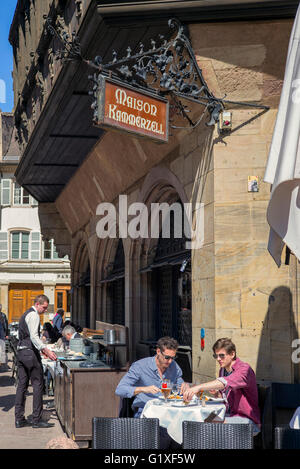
274, 361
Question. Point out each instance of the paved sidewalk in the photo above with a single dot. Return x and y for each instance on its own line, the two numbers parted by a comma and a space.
27, 437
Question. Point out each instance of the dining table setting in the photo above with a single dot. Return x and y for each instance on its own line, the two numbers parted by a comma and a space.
171, 409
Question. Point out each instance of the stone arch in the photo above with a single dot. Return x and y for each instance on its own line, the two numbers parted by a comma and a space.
160, 185
104, 258
81, 266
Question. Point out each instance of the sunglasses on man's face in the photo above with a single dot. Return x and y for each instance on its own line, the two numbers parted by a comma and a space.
168, 357
219, 355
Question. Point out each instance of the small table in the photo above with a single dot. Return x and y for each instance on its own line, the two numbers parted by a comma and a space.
171, 416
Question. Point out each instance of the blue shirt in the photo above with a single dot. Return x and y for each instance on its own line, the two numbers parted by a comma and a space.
58, 322
144, 372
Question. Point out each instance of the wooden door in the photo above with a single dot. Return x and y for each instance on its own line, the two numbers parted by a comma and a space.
21, 298
62, 297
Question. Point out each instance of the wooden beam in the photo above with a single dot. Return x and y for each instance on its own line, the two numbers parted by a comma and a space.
74, 136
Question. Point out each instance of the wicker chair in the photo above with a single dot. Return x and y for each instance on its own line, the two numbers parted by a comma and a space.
286, 438
280, 405
125, 433
198, 435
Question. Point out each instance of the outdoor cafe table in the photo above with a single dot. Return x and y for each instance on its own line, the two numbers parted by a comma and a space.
172, 414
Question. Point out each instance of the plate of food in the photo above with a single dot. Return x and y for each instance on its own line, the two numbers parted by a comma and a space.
174, 398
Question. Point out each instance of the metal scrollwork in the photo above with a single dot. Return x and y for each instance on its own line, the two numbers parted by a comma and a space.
165, 68
71, 50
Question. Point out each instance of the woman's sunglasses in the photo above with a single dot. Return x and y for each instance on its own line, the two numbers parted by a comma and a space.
219, 355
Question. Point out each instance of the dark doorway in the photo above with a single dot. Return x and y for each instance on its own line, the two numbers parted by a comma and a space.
116, 288
171, 278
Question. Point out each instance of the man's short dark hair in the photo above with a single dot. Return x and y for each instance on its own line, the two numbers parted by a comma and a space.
60, 311
167, 343
41, 299
226, 344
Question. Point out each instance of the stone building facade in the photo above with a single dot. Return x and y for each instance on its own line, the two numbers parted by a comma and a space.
29, 264
232, 286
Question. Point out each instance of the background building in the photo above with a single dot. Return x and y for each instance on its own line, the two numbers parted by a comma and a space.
231, 286
29, 265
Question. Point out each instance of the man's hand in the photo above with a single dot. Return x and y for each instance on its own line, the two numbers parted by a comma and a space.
215, 392
48, 353
147, 389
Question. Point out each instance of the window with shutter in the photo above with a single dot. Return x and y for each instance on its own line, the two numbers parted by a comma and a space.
5, 191
3, 245
49, 251
20, 245
35, 246
21, 196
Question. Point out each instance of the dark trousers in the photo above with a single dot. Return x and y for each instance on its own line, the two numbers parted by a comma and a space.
166, 442
29, 368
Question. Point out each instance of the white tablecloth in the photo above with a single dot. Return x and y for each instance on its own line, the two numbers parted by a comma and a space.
53, 366
295, 422
171, 417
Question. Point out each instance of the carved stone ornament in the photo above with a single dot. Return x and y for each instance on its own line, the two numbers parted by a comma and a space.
78, 4
40, 83
24, 121
33, 110
51, 63
60, 25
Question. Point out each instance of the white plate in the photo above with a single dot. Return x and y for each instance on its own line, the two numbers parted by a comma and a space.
215, 400
181, 404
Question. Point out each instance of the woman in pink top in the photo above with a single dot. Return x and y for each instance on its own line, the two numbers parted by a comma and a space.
236, 384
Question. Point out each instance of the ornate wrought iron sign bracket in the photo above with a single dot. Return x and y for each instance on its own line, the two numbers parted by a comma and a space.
167, 68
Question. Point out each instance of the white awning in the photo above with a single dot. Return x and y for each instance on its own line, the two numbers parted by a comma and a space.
283, 166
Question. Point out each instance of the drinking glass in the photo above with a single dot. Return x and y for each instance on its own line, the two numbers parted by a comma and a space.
176, 389
166, 388
199, 396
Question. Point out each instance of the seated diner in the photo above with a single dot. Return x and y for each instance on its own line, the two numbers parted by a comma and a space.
144, 378
236, 384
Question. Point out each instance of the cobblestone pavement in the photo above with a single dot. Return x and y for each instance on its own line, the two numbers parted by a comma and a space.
27, 437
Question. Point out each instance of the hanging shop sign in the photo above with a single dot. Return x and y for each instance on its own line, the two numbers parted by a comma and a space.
126, 109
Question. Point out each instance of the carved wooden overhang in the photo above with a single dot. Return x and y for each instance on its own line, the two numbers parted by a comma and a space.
189, 11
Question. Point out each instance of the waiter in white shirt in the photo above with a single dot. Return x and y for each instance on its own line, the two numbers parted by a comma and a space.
30, 365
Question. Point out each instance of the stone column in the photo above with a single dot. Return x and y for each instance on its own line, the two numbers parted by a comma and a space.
49, 290
4, 297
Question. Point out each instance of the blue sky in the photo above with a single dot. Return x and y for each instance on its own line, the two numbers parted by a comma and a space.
7, 9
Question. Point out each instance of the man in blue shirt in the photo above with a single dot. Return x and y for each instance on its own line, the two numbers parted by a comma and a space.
143, 380
58, 320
